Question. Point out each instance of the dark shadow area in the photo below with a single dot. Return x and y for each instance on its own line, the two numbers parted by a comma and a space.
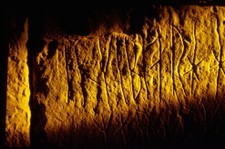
12, 24
82, 16
38, 118
3, 69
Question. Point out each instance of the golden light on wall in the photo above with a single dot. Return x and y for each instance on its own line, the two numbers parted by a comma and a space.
165, 84
18, 112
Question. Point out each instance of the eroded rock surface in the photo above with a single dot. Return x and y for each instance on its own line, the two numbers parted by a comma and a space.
163, 87
139, 89
18, 91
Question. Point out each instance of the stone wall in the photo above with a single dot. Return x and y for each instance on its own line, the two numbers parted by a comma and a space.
160, 87
18, 91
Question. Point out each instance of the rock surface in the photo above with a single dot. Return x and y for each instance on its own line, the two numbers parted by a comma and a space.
18, 91
162, 87
127, 90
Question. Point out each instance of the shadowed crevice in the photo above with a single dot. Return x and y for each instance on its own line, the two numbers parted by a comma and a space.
38, 136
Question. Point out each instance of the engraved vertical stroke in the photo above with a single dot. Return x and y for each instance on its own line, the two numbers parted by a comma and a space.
172, 57
69, 82
176, 66
103, 73
193, 60
160, 65
193, 69
129, 65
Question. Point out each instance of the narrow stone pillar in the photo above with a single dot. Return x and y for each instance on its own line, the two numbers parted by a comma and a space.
18, 92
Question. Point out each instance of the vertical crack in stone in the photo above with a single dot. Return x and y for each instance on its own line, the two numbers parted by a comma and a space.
160, 65
108, 49
172, 58
83, 85
68, 74
38, 120
31, 83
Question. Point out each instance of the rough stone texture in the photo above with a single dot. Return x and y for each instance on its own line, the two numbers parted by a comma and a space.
164, 86
18, 92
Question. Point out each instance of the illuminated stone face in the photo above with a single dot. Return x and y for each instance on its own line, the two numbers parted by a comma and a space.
18, 93
130, 90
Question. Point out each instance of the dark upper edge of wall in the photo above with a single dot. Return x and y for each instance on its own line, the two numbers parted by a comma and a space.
72, 15
35, 7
